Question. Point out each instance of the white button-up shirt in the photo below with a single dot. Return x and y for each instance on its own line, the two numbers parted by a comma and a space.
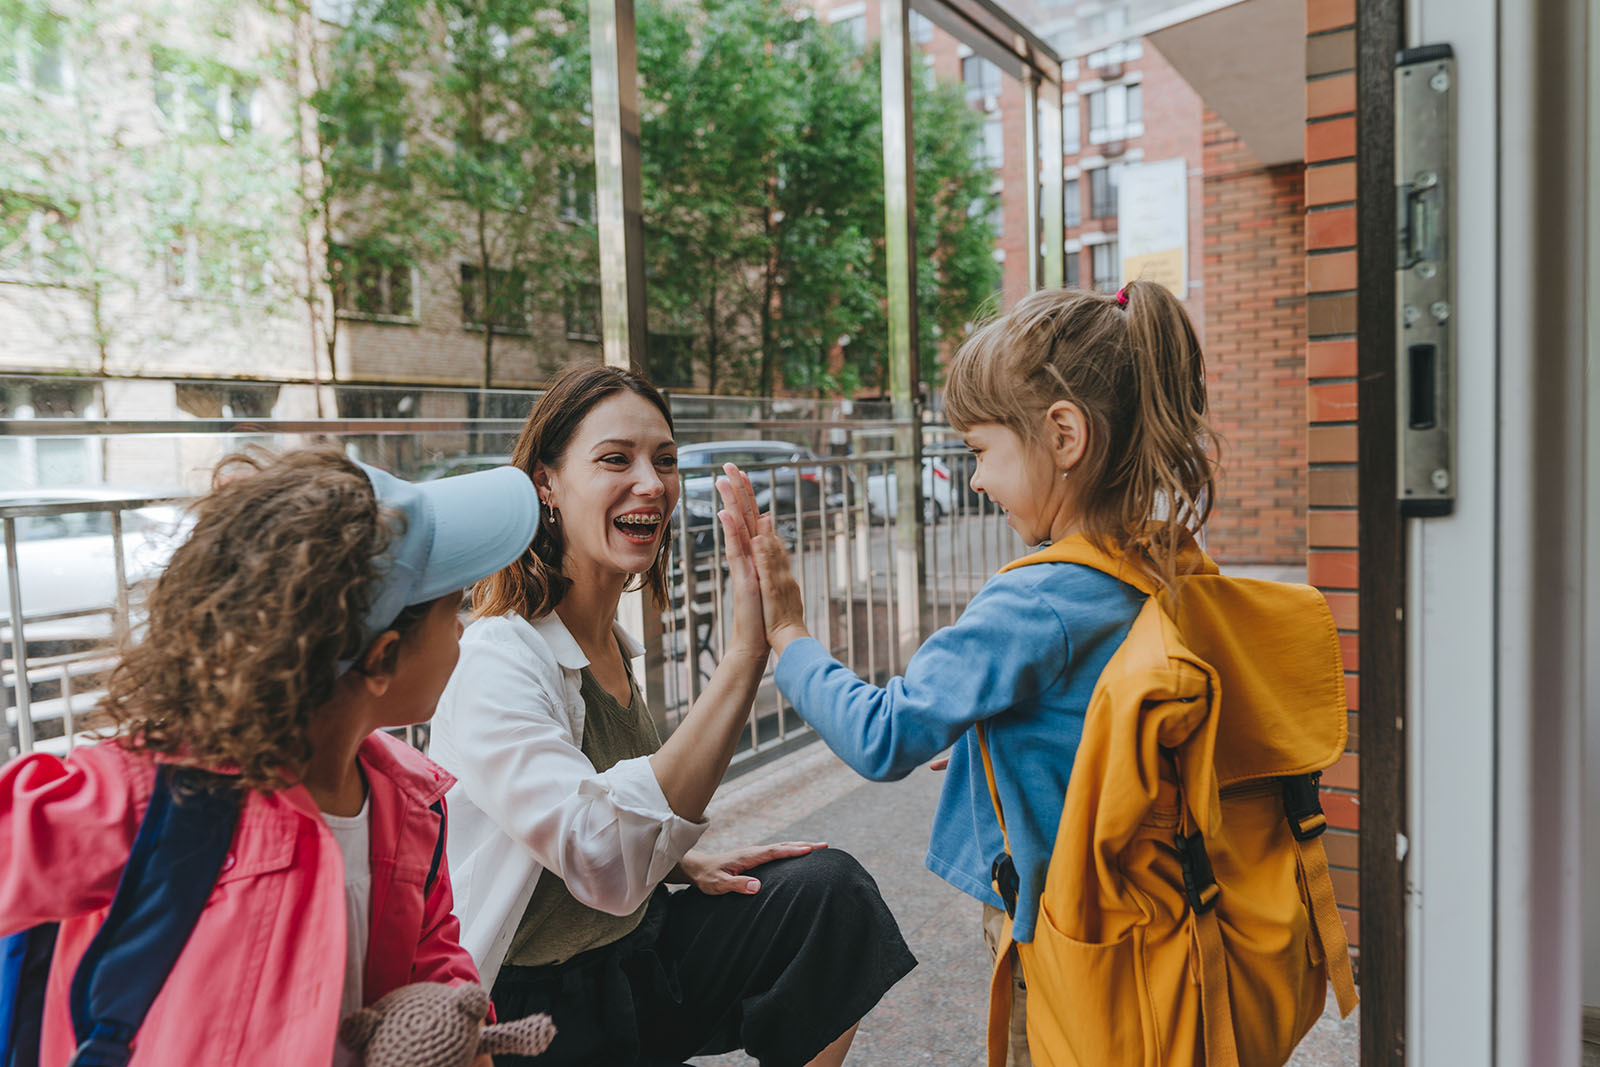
510, 728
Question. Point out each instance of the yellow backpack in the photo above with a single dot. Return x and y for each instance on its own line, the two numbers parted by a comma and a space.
1187, 916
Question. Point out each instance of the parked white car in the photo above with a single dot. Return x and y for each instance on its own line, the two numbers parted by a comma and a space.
67, 564
938, 489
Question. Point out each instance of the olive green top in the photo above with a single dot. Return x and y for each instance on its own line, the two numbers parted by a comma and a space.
556, 926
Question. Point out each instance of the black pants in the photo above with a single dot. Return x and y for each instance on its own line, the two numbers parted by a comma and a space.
780, 974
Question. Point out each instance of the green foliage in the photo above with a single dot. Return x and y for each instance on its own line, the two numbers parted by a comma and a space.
764, 212
449, 128
132, 171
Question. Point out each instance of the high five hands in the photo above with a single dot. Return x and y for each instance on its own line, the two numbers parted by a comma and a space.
782, 606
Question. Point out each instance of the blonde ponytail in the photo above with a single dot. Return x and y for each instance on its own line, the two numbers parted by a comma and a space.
1169, 472
1132, 364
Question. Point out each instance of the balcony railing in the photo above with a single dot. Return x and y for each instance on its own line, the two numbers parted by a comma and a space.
68, 598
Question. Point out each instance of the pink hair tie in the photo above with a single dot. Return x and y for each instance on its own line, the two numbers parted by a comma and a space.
1122, 297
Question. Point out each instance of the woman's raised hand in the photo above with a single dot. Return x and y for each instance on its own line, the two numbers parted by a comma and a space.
782, 604
749, 628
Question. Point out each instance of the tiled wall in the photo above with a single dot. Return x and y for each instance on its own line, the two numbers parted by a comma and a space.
1330, 263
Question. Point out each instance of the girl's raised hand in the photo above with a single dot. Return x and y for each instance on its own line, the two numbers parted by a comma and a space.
781, 602
749, 626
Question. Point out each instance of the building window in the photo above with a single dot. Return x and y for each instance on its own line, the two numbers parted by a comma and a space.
210, 101
1107, 267
1071, 124
1116, 55
1074, 196
994, 144
1103, 182
671, 359
1106, 21
982, 79
183, 265
921, 28
29, 462
853, 28
1115, 112
36, 242
577, 194
1072, 259
226, 400
372, 282
583, 313
219, 266
506, 307
33, 55
378, 146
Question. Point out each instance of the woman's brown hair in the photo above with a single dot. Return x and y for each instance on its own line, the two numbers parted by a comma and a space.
247, 623
1132, 364
534, 585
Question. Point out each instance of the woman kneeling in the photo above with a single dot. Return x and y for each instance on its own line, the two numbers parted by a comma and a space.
571, 814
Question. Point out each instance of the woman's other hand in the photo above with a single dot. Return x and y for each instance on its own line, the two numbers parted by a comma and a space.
749, 627
715, 873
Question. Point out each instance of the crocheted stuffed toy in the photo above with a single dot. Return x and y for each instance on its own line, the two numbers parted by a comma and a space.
434, 1025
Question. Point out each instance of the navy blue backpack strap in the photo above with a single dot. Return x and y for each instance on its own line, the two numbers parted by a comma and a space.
176, 857
24, 970
438, 848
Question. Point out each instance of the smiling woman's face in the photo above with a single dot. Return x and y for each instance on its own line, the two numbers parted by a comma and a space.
616, 486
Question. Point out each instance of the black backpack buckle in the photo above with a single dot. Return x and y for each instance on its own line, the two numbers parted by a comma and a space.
1006, 883
1302, 803
1199, 882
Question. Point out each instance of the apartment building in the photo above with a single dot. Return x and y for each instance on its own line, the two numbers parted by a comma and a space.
163, 214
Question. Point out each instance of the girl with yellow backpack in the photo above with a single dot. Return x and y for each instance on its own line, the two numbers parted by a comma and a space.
1147, 862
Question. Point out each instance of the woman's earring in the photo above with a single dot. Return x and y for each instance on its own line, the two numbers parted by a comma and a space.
1066, 473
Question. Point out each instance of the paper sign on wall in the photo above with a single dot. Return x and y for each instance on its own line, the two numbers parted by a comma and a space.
1153, 224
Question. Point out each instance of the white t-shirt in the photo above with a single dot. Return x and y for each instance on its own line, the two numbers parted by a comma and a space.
352, 834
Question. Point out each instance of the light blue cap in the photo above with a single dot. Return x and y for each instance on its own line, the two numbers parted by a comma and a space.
448, 534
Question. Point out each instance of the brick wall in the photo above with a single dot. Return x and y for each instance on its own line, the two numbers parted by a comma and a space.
1330, 189
1255, 328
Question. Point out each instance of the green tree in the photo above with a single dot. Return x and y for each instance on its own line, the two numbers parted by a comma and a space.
762, 146
455, 131
135, 171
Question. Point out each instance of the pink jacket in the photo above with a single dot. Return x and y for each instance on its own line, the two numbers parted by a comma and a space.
259, 980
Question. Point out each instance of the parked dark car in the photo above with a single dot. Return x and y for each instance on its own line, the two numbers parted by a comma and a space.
701, 464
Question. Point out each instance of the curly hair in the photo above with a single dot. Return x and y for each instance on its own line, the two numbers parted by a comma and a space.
246, 625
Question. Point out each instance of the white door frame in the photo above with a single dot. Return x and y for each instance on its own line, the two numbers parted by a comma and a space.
1494, 597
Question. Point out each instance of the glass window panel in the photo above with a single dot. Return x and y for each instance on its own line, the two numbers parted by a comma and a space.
994, 143
1107, 267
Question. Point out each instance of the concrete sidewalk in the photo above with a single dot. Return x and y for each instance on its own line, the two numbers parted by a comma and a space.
936, 1015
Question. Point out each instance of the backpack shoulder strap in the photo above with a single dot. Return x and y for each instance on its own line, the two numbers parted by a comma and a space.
173, 865
437, 807
24, 972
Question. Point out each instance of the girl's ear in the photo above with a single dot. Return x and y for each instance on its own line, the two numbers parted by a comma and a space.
1067, 434
377, 664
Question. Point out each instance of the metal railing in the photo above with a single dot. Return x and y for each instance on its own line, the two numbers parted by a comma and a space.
843, 533
837, 514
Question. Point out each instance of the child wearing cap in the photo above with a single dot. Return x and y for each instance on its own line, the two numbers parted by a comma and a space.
313, 605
